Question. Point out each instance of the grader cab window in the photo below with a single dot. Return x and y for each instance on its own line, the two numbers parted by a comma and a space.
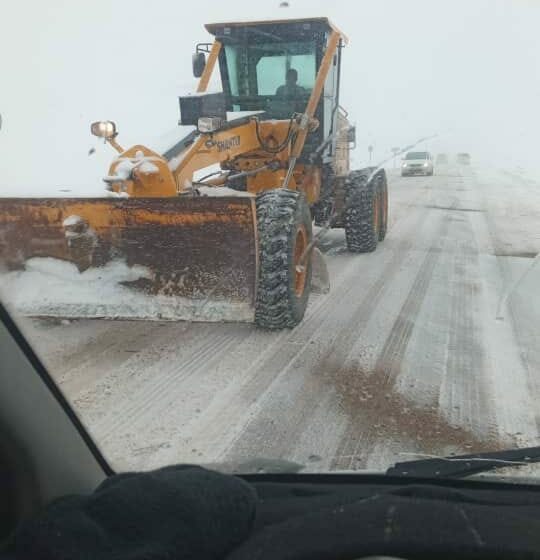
264, 75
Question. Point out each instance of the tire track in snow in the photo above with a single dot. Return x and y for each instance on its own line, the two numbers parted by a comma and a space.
289, 415
515, 383
464, 394
360, 435
130, 374
136, 378
148, 401
234, 406
237, 403
171, 380
84, 351
309, 412
391, 357
465, 368
154, 392
130, 411
112, 351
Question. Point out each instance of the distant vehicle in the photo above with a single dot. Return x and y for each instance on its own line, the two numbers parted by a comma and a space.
463, 158
442, 159
417, 163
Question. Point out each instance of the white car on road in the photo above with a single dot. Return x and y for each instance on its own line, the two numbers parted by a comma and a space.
417, 163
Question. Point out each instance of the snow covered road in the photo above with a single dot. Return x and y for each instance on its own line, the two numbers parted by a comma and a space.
403, 356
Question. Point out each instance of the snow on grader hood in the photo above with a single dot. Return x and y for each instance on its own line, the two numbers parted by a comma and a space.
252, 250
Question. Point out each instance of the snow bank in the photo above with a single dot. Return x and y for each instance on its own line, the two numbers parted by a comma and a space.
51, 287
55, 192
223, 191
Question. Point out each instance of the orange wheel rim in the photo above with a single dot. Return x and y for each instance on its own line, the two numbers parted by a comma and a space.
300, 271
376, 212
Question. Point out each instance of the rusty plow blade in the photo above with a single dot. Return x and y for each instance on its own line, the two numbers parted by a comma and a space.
168, 258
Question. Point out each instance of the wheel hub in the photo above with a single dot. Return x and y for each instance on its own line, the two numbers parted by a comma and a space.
300, 269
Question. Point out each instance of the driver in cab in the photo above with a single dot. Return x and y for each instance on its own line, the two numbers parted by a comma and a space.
290, 90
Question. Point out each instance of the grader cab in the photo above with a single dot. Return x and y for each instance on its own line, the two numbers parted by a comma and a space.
237, 242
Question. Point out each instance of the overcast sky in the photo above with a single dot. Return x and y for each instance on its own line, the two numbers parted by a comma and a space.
468, 70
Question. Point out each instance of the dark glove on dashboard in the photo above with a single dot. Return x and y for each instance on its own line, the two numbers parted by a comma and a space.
175, 512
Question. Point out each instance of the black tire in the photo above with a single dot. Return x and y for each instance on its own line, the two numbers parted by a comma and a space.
361, 212
282, 216
383, 205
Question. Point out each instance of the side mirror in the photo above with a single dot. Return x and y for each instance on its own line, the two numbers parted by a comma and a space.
199, 63
351, 135
103, 129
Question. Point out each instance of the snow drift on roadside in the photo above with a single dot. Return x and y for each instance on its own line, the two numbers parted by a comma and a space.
51, 287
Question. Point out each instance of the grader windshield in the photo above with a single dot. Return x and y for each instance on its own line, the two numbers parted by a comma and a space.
270, 66
262, 68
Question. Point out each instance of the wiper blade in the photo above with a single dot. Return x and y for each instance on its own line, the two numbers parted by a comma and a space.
466, 465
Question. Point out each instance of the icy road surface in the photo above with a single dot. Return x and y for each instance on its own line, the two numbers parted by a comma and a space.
404, 356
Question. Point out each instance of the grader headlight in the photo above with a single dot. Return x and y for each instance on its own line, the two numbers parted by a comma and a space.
103, 129
209, 124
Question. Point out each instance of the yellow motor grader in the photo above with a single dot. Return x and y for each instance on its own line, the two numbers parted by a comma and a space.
276, 143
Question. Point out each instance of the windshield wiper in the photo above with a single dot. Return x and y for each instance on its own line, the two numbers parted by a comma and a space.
466, 465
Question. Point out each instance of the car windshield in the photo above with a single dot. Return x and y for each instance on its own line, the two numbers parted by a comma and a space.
245, 233
417, 155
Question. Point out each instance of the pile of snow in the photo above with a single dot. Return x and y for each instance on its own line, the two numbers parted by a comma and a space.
224, 191
175, 162
72, 220
148, 167
54, 288
124, 165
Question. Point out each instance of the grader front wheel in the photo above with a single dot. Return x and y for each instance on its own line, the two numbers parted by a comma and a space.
284, 282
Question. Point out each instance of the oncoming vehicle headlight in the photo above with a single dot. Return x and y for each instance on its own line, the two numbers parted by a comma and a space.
404, 165
426, 164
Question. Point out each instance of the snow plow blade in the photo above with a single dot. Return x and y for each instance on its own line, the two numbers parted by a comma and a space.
148, 258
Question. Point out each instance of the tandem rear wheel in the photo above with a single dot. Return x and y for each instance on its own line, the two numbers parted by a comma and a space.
366, 210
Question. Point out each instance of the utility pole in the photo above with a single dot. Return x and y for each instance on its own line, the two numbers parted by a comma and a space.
370, 150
